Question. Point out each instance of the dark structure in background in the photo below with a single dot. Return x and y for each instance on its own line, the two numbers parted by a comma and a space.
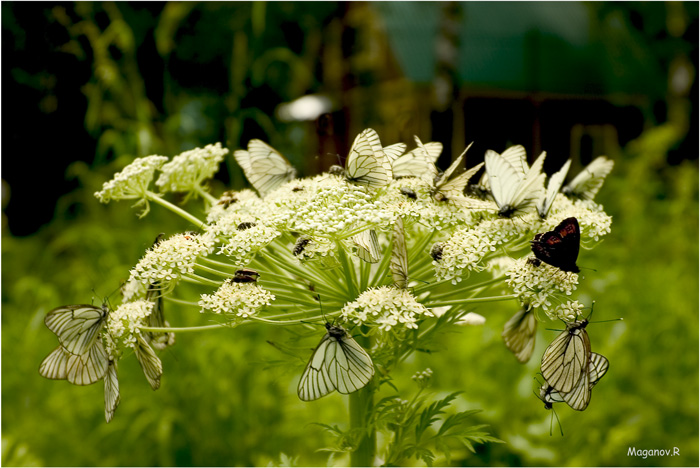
95, 82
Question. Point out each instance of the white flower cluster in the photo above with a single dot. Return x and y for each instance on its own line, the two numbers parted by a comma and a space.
568, 311
187, 171
535, 285
385, 307
318, 251
132, 182
242, 235
168, 261
123, 324
423, 378
243, 201
239, 300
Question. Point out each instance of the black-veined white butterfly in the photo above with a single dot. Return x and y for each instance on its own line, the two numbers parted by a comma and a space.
264, 167
566, 359
367, 163
446, 189
520, 332
587, 183
419, 162
112, 396
156, 319
578, 398
150, 362
516, 156
367, 246
78, 369
77, 326
553, 186
399, 255
513, 191
393, 152
337, 363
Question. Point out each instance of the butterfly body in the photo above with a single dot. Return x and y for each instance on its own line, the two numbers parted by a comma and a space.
560, 246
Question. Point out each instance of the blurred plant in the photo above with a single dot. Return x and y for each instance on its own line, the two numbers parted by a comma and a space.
396, 261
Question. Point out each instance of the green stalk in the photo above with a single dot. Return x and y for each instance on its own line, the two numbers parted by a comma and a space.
477, 300
361, 403
154, 197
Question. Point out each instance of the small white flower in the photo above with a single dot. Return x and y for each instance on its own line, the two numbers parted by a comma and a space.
237, 300
123, 324
535, 285
385, 308
187, 171
168, 261
568, 311
132, 182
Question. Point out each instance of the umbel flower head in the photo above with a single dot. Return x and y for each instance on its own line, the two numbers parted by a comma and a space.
237, 301
124, 323
537, 283
132, 182
187, 171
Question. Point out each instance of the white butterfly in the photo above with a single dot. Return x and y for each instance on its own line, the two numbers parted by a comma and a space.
78, 369
579, 397
419, 162
150, 362
337, 363
566, 359
587, 183
519, 334
399, 255
446, 189
77, 326
156, 319
367, 244
111, 390
367, 163
516, 156
264, 167
553, 186
514, 191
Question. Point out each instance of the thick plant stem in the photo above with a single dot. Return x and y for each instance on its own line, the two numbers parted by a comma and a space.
361, 403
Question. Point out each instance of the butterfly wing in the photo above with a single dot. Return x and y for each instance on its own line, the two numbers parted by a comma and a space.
349, 366
366, 164
566, 359
367, 244
77, 326
315, 381
526, 194
517, 157
399, 256
268, 168
597, 368
156, 319
150, 362
519, 334
419, 162
555, 183
55, 365
588, 182
503, 178
393, 152
242, 157
88, 368
111, 390
559, 247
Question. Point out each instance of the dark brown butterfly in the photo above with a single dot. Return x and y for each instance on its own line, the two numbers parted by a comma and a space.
559, 247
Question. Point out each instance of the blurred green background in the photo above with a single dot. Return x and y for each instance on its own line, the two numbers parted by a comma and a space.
89, 86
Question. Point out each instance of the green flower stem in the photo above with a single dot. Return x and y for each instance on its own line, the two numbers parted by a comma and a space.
180, 301
290, 265
477, 300
195, 278
468, 287
294, 300
154, 197
361, 403
349, 270
420, 248
381, 270
206, 195
186, 329
293, 322
218, 263
213, 270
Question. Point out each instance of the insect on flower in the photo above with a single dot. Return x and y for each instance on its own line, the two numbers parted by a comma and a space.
245, 275
300, 245
436, 251
580, 396
246, 225
409, 193
559, 247
566, 359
